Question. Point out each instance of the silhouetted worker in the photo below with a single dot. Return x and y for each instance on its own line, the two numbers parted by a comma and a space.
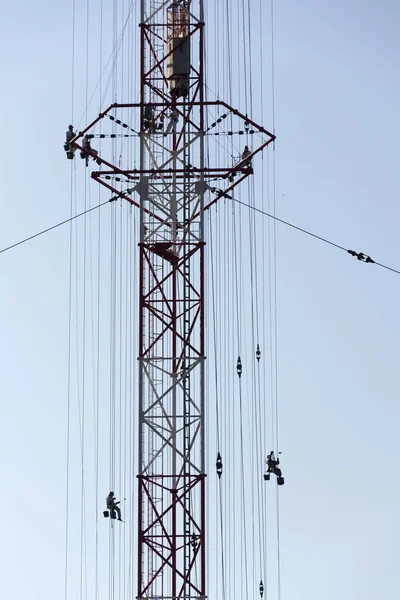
148, 118
246, 152
173, 120
70, 134
272, 464
112, 505
88, 150
160, 125
67, 146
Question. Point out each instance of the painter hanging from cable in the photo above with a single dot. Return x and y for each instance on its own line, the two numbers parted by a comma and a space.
113, 509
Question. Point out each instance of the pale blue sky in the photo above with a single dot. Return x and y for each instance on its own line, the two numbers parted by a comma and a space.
337, 162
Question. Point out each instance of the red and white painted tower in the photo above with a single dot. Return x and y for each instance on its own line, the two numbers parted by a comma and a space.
173, 184
171, 469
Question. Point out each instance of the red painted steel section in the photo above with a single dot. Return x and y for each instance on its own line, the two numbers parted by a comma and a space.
167, 544
140, 538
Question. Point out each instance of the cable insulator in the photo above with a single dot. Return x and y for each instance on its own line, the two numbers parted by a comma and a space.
361, 256
193, 542
261, 588
218, 464
258, 353
239, 367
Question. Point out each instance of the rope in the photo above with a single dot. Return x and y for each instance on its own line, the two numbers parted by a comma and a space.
359, 255
235, 253
113, 341
262, 381
83, 403
217, 408
73, 62
255, 437
275, 300
97, 369
69, 323
275, 289
120, 415
243, 489
31, 237
278, 541
68, 400
273, 66
112, 407
113, 57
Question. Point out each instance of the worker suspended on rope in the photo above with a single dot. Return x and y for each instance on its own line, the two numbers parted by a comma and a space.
87, 150
149, 121
67, 146
173, 120
245, 154
272, 467
113, 510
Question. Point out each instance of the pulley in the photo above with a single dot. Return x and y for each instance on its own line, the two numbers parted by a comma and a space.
258, 353
261, 588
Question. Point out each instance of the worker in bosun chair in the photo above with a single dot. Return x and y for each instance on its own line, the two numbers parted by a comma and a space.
87, 150
67, 146
272, 464
112, 505
173, 120
148, 118
246, 152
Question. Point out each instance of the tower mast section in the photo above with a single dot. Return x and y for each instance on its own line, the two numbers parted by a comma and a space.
171, 478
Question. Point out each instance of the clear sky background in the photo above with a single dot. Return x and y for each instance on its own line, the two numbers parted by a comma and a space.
337, 98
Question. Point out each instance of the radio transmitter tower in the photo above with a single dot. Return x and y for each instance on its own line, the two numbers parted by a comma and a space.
172, 185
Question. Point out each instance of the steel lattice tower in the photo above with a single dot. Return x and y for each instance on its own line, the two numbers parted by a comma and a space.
171, 470
172, 186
